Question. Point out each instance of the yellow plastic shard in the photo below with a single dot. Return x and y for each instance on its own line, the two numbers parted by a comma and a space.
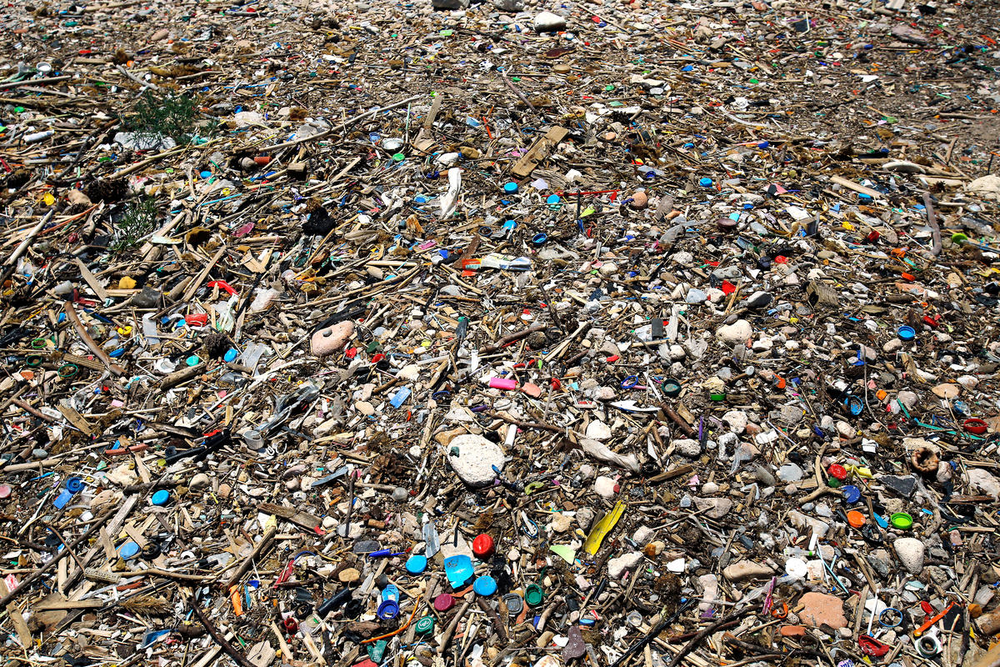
603, 527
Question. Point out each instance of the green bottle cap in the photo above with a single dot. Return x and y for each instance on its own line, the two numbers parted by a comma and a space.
533, 595
425, 625
901, 520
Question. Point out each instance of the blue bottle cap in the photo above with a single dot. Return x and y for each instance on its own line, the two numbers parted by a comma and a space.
74, 485
852, 494
459, 570
389, 609
128, 550
485, 585
161, 497
416, 564
552, 199
705, 182
510, 188
231, 355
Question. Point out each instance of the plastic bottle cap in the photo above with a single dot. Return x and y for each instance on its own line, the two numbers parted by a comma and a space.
485, 585
193, 360
444, 602
514, 603
161, 497
425, 625
901, 520
533, 595
459, 570
483, 546
852, 494
74, 485
398, 157
838, 472
796, 567
906, 332
388, 609
856, 519
128, 550
705, 182
4, 491
416, 564
231, 355
510, 188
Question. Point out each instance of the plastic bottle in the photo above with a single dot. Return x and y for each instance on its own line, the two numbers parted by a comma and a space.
38, 136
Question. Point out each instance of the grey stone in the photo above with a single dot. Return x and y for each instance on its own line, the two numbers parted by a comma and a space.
759, 300
687, 447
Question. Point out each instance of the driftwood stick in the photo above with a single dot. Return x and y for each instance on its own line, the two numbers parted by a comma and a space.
217, 636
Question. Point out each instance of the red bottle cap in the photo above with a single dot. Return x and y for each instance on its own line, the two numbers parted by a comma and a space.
444, 602
838, 472
482, 546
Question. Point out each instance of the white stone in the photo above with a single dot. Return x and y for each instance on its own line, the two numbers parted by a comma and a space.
736, 333
911, 553
472, 457
331, 339
199, 482
605, 487
618, 566
607, 268
845, 430
984, 481
737, 420
642, 535
549, 22
714, 508
560, 522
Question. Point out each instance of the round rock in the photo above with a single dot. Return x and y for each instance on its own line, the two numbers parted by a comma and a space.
473, 458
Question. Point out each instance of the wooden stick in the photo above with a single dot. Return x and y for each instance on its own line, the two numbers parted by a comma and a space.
265, 543
344, 125
219, 639
195, 284
510, 338
707, 630
24, 245
90, 342
450, 630
35, 82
